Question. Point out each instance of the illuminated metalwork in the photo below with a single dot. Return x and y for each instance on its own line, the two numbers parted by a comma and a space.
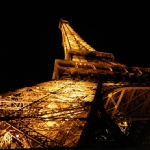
73, 110
73, 43
56, 115
125, 102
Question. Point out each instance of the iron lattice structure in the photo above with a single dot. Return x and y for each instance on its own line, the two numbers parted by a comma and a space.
91, 101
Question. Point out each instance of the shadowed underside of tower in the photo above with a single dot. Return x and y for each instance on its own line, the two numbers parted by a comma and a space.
92, 101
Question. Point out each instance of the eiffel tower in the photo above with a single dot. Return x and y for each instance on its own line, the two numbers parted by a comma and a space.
91, 102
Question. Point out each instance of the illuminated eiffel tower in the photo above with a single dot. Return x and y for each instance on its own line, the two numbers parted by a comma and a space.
91, 101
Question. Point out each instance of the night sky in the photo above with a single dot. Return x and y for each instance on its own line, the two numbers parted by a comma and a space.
30, 40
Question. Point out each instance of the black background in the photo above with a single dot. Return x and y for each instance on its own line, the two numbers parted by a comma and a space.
30, 40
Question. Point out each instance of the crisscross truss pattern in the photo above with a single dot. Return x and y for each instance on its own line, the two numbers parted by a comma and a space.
128, 104
57, 113
72, 42
54, 117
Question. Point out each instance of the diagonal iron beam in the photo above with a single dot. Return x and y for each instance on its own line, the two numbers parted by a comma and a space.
34, 135
118, 102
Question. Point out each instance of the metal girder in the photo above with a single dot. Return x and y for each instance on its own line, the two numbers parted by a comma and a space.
33, 134
95, 134
128, 104
118, 102
73, 42
54, 114
126, 101
32, 109
14, 135
31, 121
56, 119
12, 105
72, 114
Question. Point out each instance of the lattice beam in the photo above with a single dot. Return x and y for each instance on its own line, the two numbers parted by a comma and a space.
73, 43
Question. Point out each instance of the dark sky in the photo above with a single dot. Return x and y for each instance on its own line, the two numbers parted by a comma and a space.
30, 39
